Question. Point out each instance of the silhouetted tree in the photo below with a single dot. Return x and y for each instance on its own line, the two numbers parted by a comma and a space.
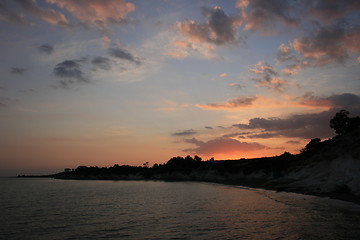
353, 123
312, 144
340, 122
197, 158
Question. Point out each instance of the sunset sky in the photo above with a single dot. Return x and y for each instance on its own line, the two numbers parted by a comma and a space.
99, 82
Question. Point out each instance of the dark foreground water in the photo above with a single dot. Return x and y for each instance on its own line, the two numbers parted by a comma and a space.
66, 209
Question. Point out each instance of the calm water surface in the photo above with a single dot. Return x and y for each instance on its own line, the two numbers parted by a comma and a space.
66, 209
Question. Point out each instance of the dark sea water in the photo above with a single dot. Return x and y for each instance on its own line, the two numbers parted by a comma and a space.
67, 209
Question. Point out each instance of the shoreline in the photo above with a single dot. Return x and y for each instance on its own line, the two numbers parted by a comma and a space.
249, 183
256, 184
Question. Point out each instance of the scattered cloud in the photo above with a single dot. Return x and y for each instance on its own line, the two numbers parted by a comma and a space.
223, 75
344, 100
293, 142
209, 128
102, 63
235, 135
49, 15
105, 42
70, 71
285, 53
308, 125
184, 133
222, 145
97, 13
239, 102
46, 48
219, 28
263, 15
328, 11
10, 15
18, 71
90, 13
265, 135
327, 44
181, 48
264, 68
269, 77
237, 85
124, 55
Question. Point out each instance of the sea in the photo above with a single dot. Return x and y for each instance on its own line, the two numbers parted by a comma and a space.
45, 208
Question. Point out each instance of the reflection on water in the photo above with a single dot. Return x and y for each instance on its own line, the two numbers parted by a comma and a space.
58, 209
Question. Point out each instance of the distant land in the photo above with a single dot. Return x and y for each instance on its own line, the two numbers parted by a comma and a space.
323, 167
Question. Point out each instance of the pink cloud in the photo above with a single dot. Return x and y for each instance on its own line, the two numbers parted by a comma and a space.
222, 146
30, 7
262, 14
269, 77
329, 44
97, 12
218, 29
234, 103
223, 75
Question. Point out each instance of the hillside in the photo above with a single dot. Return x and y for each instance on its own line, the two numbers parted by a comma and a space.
330, 166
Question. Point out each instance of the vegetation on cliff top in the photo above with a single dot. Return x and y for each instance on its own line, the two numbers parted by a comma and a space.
266, 170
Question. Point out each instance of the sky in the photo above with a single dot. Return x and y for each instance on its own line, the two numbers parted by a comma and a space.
104, 82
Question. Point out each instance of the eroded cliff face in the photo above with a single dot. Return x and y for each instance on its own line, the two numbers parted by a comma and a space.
334, 166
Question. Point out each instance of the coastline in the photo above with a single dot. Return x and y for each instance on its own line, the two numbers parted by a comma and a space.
257, 184
248, 183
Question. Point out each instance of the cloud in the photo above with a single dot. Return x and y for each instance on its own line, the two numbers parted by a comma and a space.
123, 54
181, 48
102, 63
50, 15
328, 44
70, 71
305, 126
219, 28
9, 15
18, 71
222, 145
97, 13
263, 14
209, 128
184, 133
239, 102
46, 48
263, 135
223, 75
328, 11
236, 85
269, 77
344, 100
285, 53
